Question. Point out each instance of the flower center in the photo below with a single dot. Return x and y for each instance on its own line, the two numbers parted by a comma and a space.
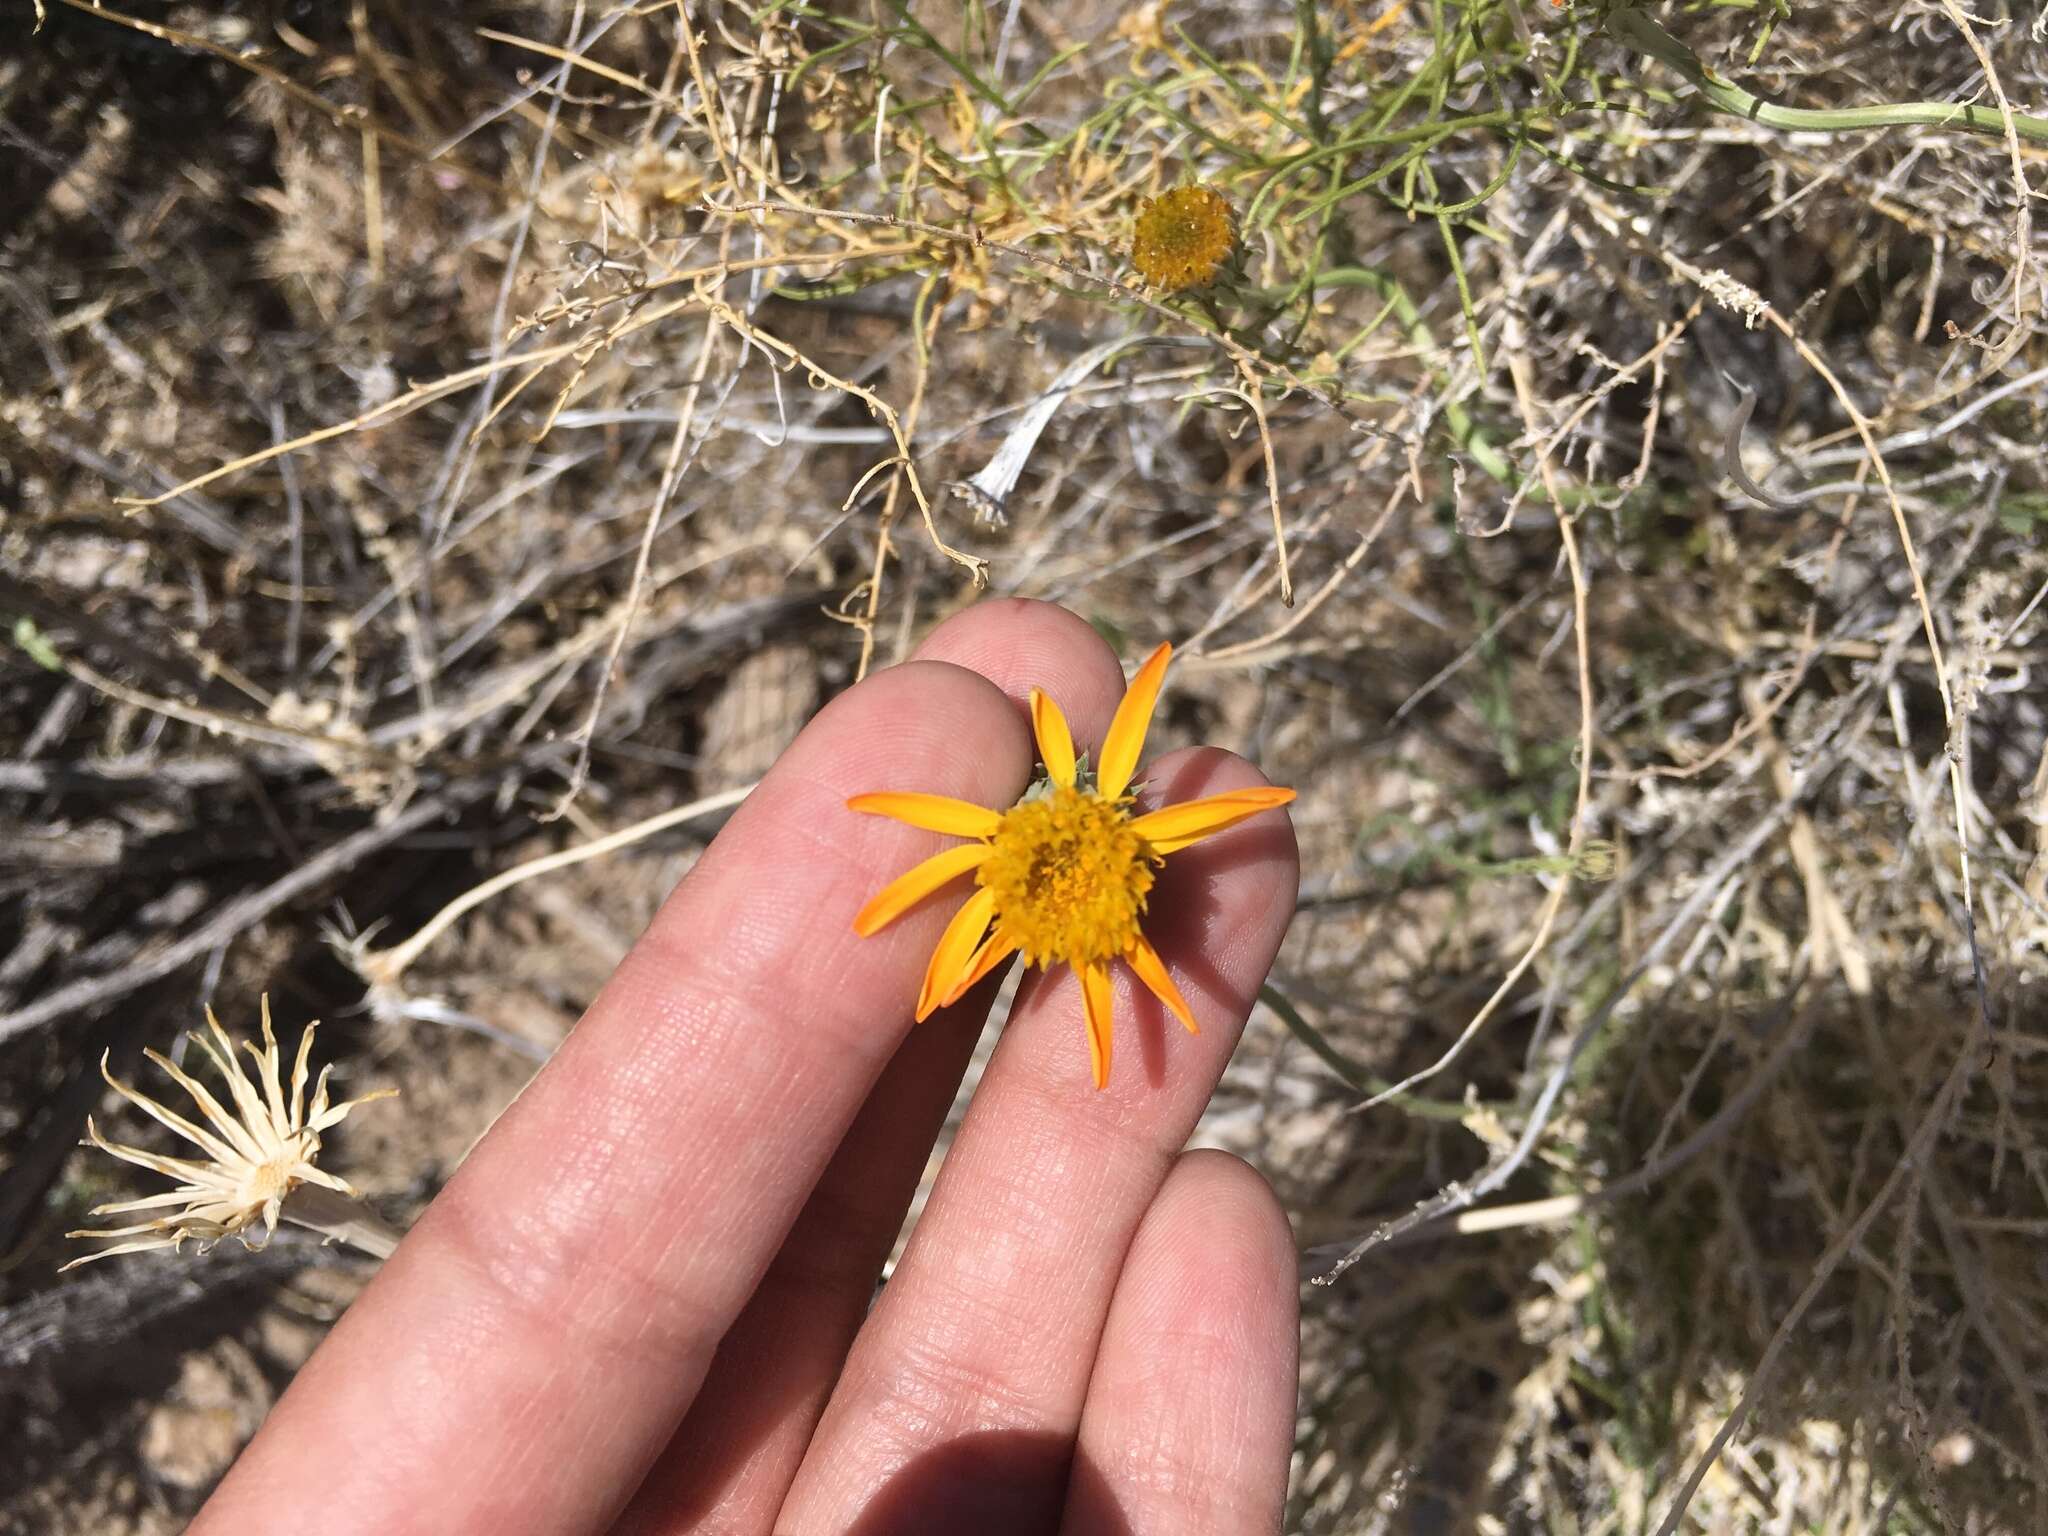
261, 1182
1069, 877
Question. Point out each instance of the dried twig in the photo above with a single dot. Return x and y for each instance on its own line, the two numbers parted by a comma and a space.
237, 915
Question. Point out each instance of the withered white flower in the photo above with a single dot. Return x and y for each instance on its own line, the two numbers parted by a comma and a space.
256, 1157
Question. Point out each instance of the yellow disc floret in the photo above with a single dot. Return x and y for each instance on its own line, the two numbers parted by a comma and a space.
1184, 239
1069, 878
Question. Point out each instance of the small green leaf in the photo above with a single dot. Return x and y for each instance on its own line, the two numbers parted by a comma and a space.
36, 644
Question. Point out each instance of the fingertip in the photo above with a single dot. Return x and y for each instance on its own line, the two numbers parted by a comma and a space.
1217, 1216
997, 627
895, 714
926, 728
799, 852
1021, 643
1207, 1296
1214, 1262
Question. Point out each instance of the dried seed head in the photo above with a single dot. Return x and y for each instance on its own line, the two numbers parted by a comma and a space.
258, 1148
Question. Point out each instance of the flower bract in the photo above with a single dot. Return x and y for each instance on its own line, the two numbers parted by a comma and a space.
1064, 875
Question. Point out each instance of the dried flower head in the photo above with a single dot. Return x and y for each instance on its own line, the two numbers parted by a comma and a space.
1185, 238
255, 1156
1063, 876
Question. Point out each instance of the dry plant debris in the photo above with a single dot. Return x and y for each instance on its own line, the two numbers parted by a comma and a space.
419, 420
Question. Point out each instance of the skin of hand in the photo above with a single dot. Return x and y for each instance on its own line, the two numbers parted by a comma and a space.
646, 1302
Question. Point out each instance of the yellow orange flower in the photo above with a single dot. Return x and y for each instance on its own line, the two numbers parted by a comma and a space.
1063, 875
1184, 239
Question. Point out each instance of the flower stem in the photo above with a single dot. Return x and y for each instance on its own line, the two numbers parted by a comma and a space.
1640, 32
341, 1220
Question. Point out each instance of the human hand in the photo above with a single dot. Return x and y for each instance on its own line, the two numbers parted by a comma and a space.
655, 1272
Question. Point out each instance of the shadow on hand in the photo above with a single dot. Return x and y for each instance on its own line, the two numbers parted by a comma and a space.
1009, 1482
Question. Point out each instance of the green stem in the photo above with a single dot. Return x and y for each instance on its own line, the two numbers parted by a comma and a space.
1646, 36
1353, 1077
1465, 432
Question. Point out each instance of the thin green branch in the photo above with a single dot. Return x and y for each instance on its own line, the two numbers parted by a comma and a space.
1348, 1072
1646, 36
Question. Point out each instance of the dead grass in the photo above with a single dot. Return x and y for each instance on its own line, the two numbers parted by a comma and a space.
1657, 488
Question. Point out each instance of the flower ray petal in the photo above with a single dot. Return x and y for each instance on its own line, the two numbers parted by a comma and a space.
254, 1116
934, 813
1151, 970
213, 1146
1097, 1002
107, 1253
1125, 740
299, 1074
907, 890
267, 1059
207, 1174
1174, 827
159, 1225
991, 954
1055, 741
308, 1174
340, 1112
241, 1127
316, 1112
955, 952
184, 1194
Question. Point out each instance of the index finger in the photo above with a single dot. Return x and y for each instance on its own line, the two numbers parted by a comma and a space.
525, 1353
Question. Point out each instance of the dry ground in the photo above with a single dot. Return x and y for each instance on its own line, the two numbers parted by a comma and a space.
385, 415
